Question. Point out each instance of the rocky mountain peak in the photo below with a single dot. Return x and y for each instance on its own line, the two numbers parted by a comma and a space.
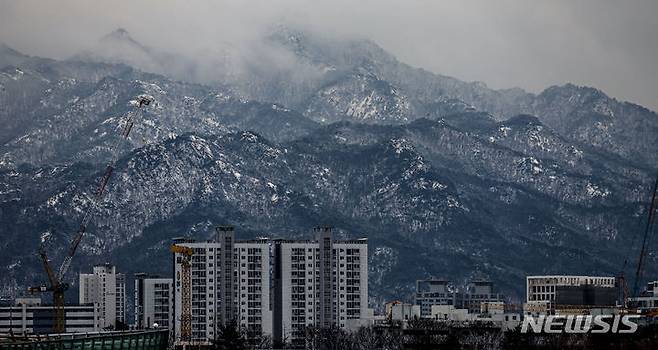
119, 33
573, 94
123, 37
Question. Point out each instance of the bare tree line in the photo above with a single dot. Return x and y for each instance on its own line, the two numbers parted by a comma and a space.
429, 334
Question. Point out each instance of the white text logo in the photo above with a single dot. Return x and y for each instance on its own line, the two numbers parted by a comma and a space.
580, 324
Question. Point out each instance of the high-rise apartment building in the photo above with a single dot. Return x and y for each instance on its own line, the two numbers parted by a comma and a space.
154, 302
230, 282
321, 282
272, 287
107, 288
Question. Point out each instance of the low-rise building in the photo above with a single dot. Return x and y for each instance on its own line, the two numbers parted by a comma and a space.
399, 311
27, 316
450, 313
106, 288
495, 313
498, 313
154, 339
571, 290
154, 302
648, 299
433, 292
535, 308
478, 292
439, 292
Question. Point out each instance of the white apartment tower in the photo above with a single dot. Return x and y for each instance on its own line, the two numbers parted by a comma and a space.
230, 282
106, 288
272, 287
154, 302
321, 282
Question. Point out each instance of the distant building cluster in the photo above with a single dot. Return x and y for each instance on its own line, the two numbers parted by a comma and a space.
272, 287
545, 295
278, 288
438, 292
439, 300
102, 304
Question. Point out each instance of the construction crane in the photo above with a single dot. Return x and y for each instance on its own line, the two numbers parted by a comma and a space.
56, 283
651, 217
186, 292
641, 261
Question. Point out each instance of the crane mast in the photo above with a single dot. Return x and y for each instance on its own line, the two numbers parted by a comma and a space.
639, 271
56, 283
186, 290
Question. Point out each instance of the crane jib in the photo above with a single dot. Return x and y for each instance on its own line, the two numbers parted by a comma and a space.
56, 284
126, 130
104, 180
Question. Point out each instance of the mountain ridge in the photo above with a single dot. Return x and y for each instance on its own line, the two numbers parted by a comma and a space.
441, 185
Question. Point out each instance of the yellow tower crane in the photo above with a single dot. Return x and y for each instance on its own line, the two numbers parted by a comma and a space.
186, 290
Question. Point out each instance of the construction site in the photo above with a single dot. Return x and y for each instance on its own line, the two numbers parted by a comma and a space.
57, 283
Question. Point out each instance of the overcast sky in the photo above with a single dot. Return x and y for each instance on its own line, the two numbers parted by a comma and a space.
609, 44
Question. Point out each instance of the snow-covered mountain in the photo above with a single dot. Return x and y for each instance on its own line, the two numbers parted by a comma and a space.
446, 178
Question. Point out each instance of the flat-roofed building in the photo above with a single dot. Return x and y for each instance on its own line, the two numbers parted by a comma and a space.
648, 298
545, 288
107, 288
478, 292
154, 302
433, 292
28, 316
399, 311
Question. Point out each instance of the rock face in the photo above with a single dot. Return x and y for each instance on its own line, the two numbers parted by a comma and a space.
445, 178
